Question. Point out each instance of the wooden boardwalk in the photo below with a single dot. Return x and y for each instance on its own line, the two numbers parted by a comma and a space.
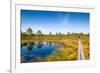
80, 51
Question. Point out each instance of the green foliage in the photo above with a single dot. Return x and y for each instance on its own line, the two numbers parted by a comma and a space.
39, 32
29, 31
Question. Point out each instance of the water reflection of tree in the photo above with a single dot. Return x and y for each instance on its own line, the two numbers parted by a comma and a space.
39, 44
30, 46
23, 44
50, 44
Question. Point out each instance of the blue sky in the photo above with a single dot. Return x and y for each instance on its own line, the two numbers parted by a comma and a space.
52, 21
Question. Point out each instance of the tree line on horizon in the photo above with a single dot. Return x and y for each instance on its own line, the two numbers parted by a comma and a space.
29, 31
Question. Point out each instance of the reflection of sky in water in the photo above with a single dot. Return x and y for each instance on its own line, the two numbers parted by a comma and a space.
35, 52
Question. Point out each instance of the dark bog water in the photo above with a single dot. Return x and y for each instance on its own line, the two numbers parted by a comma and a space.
36, 51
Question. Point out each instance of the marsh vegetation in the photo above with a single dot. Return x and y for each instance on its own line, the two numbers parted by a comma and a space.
40, 47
